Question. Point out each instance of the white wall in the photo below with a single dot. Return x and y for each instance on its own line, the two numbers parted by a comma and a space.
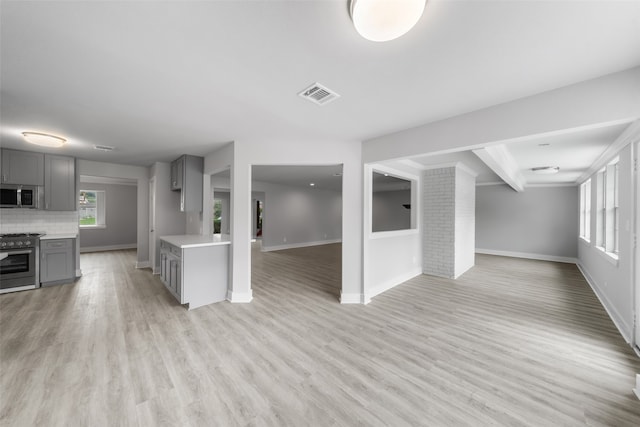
241, 155
299, 216
390, 257
540, 222
465, 221
141, 175
613, 281
388, 210
121, 213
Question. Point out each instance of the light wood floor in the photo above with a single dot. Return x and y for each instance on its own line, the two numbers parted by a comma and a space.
513, 342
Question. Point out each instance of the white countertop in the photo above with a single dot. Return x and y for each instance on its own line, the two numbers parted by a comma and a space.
58, 236
195, 241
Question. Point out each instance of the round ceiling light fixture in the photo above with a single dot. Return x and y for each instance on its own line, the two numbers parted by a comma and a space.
546, 170
44, 139
384, 20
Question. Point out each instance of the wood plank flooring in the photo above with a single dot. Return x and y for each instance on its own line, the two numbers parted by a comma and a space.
513, 342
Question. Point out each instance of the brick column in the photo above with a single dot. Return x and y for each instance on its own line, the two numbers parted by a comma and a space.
448, 221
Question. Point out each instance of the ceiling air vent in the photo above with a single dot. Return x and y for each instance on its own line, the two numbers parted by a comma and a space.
318, 94
103, 147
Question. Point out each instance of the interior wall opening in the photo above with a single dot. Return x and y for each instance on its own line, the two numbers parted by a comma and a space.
296, 223
107, 213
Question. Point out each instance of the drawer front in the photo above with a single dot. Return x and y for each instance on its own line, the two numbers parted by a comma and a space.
168, 247
55, 244
176, 251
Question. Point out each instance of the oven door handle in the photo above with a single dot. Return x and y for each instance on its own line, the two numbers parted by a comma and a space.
19, 252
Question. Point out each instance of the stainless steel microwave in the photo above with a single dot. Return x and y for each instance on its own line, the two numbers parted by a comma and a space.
19, 196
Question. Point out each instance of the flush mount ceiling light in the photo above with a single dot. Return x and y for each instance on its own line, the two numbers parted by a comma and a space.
546, 170
44, 139
384, 20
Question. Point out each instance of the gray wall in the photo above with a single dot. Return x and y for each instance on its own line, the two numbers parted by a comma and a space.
169, 219
387, 210
121, 218
538, 221
300, 215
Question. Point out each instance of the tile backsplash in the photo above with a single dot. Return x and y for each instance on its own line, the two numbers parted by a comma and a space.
32, 220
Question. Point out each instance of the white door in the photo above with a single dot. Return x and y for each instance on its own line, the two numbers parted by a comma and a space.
152, 224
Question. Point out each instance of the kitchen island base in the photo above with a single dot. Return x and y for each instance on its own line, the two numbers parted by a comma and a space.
196, 275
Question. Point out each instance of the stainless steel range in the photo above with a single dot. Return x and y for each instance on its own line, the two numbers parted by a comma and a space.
19, 257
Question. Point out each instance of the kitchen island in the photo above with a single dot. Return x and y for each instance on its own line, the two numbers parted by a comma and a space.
194, 268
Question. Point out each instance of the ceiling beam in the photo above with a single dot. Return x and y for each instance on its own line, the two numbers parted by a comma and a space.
498, 158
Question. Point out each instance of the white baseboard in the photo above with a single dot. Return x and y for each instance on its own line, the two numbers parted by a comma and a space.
388, 284
108, 248
528, 255
299, 245
609, 308
352, 299
239, 297
143, 264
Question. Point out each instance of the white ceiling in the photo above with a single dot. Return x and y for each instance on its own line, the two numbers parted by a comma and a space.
573, 153
159, 79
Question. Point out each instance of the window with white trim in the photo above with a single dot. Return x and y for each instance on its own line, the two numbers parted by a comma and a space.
608, 212
585, 210
92, 209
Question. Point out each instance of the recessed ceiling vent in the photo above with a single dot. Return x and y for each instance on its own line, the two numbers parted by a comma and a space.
318, 94
103, 147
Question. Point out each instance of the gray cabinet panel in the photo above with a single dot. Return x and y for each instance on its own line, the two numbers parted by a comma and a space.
22, 167
195, 276
177, 171
186, 177
57, 261
60, 183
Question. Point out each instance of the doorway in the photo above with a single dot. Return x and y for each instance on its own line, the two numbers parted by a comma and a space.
108, 213
296, 215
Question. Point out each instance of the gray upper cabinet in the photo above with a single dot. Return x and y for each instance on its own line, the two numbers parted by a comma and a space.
59, 183
22, 167
177, 171
186, 177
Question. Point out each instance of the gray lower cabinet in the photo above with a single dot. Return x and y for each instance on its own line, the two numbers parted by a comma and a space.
171, 269
59, 183
195, 275
57, 261
22, 167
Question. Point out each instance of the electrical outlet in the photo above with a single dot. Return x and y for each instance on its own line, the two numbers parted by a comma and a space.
284, 239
